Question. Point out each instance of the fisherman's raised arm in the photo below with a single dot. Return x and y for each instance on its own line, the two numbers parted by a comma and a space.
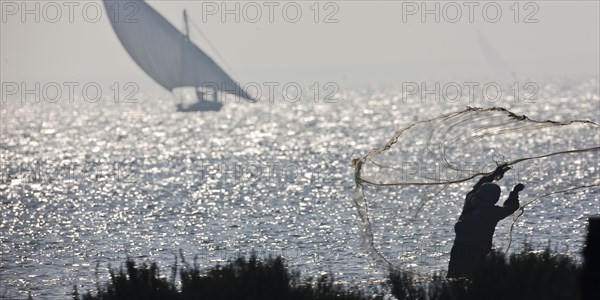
510, 205
498, 174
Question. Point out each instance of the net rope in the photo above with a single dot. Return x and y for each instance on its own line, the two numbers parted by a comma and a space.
447, 141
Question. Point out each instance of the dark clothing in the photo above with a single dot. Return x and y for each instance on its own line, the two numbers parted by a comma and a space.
469, 205
464, 258
475, 229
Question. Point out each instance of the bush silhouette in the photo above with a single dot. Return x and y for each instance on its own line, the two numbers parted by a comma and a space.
524, 275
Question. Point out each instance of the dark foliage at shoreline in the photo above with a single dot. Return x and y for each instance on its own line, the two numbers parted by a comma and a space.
240, 279
525, 275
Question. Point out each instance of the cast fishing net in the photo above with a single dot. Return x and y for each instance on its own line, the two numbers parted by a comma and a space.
425, 170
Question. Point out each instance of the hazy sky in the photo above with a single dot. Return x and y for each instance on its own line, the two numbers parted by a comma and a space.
368, 38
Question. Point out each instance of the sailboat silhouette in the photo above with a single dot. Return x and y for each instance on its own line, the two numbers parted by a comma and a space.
168, 55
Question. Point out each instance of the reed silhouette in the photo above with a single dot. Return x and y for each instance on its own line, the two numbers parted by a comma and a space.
528, 274
241, 279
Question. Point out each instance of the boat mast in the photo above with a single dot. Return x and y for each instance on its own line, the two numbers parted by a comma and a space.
199, 92
185, 22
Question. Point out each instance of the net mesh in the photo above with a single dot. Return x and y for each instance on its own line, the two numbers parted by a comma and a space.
425, 169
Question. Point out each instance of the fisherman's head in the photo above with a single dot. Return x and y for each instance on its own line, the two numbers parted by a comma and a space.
488, 194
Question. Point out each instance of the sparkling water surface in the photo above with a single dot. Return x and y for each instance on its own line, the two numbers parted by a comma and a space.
86, 185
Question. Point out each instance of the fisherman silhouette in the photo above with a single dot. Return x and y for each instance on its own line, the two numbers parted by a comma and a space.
477, 222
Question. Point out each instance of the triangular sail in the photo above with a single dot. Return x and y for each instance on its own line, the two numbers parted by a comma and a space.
163, 52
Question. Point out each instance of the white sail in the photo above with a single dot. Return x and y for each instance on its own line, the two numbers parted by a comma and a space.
163, 52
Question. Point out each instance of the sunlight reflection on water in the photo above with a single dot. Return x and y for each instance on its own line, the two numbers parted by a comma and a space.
87, 184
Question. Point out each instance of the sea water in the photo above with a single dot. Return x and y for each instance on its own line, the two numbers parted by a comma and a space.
85, 185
